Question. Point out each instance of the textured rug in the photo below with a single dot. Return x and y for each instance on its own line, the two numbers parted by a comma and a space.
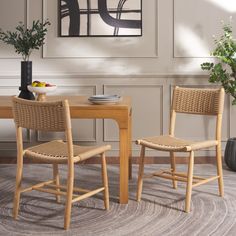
159, 213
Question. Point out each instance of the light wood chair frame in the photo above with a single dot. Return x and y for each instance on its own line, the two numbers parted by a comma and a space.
215, 109
72, 194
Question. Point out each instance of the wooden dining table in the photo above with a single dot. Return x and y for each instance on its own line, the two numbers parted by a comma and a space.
81, 108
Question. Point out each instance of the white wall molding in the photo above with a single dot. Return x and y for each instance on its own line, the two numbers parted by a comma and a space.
136, 91
62, 76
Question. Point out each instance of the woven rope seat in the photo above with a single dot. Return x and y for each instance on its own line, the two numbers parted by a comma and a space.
169, 143
56, 152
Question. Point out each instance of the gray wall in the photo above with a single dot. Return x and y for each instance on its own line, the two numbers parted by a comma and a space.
177, 38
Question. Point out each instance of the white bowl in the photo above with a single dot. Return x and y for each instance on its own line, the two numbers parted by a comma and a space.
41, 90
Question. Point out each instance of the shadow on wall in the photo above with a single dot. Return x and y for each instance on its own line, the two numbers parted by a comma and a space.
196, 40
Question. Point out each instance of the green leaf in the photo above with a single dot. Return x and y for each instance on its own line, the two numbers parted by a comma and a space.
25, 40
234, 102
224, 71
207, 66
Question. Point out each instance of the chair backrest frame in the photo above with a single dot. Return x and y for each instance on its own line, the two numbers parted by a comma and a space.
42, 116
198, 101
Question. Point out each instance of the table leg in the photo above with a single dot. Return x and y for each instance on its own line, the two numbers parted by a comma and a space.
124, 165
130, 145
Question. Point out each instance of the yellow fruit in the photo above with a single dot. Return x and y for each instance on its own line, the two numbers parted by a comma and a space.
34, 84
41, 84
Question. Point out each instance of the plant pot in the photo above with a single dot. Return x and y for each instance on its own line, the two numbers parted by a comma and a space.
230, 154
26, 79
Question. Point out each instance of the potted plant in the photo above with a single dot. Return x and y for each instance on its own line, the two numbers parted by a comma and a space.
224, 72
25, 40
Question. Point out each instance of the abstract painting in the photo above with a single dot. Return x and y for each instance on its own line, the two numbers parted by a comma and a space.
94, 18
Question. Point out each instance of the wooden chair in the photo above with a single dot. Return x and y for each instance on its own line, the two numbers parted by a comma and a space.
53, 116
189, 101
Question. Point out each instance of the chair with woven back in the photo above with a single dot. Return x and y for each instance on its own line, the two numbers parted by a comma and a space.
54, 117
195, 101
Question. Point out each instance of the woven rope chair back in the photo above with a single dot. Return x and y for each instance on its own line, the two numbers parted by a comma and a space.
198, 101
43, 116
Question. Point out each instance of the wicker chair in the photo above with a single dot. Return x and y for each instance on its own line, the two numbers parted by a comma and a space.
53, 116
188, 101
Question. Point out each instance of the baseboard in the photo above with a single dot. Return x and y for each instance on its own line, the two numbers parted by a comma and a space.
115, 160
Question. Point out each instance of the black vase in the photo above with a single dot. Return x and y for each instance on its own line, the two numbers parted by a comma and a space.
26, 79
230, 154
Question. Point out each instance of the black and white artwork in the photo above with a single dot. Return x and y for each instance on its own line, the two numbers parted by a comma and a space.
88, 18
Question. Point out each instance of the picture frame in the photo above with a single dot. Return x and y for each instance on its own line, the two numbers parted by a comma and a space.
100, 18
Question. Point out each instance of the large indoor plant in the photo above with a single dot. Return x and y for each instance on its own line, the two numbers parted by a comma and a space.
224, 73
25, 40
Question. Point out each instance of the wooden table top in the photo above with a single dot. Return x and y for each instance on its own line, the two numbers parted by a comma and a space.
78, 106
81, 101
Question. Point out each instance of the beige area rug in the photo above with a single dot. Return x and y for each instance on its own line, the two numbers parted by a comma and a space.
159, 212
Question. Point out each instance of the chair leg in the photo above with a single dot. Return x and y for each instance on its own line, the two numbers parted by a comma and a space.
189, 182
56, 179
18, 186
130, 168
70, 186
172, 157
140, 174
130, 148
105, 182
219, 170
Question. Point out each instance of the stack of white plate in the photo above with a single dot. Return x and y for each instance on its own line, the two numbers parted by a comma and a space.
104, 99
